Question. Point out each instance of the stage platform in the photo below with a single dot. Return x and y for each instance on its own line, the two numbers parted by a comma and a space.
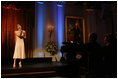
41, 70
32, 68
37, 68
6, 61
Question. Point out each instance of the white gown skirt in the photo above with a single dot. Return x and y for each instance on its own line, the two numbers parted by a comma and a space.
19, 52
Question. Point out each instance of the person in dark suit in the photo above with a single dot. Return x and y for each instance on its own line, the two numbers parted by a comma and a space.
93, 50
110, 56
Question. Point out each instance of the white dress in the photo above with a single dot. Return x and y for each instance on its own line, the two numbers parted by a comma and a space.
19, 52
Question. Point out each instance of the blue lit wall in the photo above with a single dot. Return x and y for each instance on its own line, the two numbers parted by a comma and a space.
55, 18
60, 25
54, 15
40, 22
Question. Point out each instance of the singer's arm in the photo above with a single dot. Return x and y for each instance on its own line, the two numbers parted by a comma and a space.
18, 34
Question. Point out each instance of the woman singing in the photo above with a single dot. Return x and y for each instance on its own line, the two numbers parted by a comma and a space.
19, 52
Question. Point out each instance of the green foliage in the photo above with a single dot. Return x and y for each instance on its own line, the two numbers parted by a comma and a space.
51, 47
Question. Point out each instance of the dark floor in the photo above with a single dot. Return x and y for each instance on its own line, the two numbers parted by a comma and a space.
40, 70
39, 65
46, 69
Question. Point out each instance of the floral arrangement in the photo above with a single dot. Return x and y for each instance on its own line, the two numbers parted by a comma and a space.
51, 47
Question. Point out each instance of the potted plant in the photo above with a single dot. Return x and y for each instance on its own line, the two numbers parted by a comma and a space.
51, 47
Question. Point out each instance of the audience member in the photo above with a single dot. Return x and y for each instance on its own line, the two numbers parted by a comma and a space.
94, 52
110, 55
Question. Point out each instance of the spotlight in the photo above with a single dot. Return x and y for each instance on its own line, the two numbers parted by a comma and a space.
59, 3
40, 2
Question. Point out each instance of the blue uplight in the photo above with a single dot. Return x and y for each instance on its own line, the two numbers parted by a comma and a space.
60, 5
39, 21
40, 2
60, 26
60, 54
40, 54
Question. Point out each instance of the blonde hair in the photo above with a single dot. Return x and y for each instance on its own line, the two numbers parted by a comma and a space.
18, 26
